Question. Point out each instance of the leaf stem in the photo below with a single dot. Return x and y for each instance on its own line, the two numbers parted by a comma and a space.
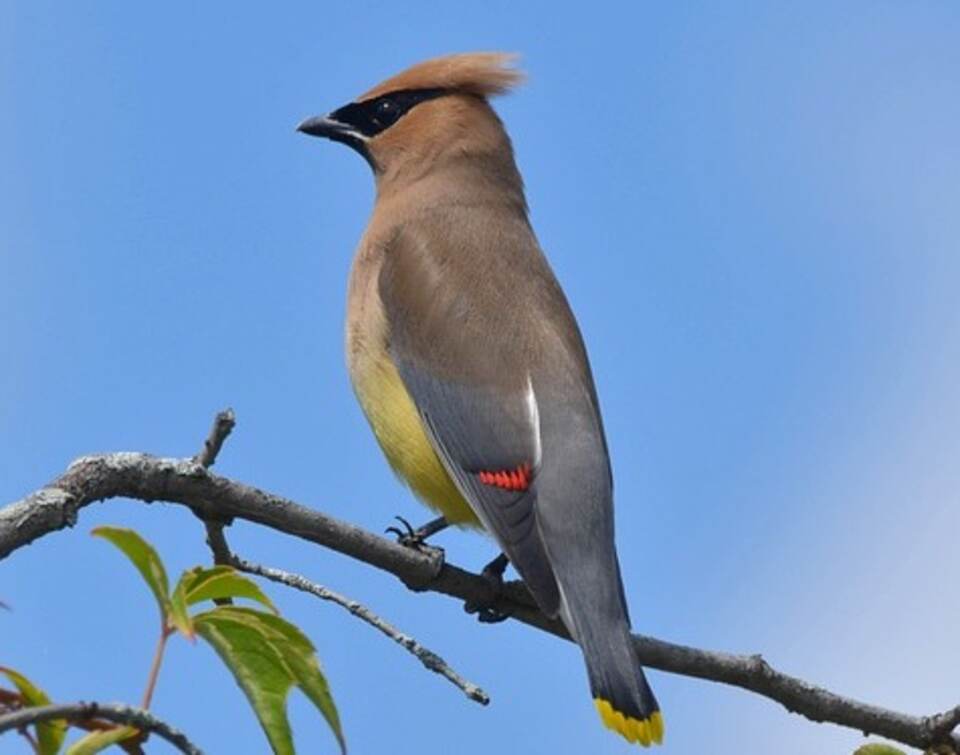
165, 633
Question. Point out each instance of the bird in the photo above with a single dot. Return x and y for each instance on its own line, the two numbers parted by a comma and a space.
469, 364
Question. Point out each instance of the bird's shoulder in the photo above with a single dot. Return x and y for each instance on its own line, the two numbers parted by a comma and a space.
458, 280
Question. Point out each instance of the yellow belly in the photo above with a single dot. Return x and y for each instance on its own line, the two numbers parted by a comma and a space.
400, 432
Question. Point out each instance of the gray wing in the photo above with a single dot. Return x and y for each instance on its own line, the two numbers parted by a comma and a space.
467, 342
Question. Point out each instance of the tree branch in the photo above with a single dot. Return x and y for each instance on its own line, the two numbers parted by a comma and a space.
427, 657
223, 425
184, 481
120, 714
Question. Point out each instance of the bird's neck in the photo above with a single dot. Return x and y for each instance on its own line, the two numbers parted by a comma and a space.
457, 177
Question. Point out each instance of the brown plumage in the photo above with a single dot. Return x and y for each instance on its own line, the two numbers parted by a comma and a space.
484, 74
469, 364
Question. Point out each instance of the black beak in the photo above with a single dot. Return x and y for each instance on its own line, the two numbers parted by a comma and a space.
337, 131
330, 127
326, 127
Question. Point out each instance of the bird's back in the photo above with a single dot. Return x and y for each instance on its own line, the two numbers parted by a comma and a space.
467, 269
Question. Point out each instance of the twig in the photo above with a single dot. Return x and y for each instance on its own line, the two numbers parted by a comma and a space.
427, 657
220, 430
223, 425
120, 714
148, 478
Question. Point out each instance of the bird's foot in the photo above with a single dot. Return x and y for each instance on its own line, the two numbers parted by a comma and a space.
486, 610
416, 538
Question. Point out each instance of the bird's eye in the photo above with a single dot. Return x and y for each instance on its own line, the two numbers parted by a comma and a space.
387, 112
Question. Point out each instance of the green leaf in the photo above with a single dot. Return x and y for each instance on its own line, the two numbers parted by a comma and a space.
50, 734
877, 748
301, 658
221, 582
96, 741
267, 656
145, 558
179, 617
258, 668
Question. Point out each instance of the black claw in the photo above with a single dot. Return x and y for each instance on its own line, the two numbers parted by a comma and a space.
406, 532
416, 538
486, 614
410, 532
486, 610
407, 536
492, 615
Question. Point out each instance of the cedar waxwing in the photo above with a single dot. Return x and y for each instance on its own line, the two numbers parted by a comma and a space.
469, 364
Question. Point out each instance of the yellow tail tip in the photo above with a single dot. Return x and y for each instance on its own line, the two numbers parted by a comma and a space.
644, 731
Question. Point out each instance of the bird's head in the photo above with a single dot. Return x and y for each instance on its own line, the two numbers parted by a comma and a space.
432, 112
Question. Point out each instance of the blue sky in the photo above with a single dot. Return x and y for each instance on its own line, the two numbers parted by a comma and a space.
753, 209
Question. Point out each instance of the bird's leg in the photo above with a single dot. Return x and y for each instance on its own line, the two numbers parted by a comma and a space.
432, 527
416, 538
486, 610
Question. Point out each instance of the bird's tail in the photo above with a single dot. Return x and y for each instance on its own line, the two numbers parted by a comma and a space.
620, 691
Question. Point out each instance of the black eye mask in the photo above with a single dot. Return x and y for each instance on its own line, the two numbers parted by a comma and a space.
373, 116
